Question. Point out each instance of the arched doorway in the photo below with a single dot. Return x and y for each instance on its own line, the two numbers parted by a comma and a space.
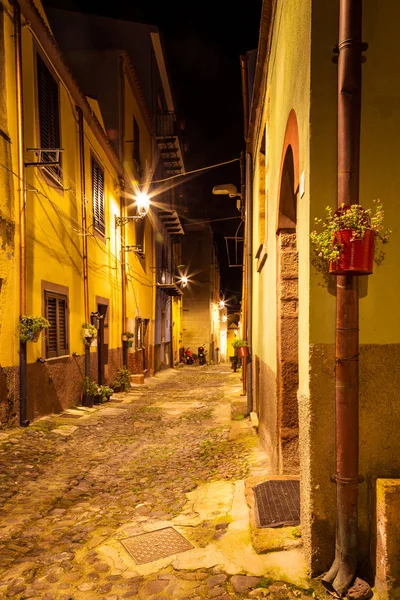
287, 309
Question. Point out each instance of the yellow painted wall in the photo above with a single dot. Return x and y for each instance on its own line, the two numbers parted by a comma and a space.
287, 89
139, 270
379, 320
9, 255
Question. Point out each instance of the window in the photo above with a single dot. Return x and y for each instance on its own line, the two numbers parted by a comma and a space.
98, 197
57, 315
138, 333
136, 143
49, 116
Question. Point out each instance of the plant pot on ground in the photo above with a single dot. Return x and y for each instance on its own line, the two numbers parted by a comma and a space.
103, 394
121, 382
90, 392
350, 241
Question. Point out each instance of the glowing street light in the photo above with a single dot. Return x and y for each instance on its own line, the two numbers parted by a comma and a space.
184, 281
221, 304
142, 203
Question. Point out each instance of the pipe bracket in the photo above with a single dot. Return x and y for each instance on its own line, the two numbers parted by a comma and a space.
347, 480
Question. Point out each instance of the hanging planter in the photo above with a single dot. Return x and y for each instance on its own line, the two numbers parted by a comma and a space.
129, 344
88, 333
243, 351
241, 348
127, 337
30, 328
356, 255
348, 240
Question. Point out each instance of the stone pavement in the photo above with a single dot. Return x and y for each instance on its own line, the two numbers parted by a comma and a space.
76, 488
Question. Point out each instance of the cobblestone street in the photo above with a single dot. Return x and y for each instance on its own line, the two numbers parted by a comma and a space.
73, 486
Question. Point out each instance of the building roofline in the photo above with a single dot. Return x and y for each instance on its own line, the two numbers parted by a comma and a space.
50, 46
264, 46
137, 90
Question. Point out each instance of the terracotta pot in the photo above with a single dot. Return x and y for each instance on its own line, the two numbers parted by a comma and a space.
36, 336
357, 256
243, 351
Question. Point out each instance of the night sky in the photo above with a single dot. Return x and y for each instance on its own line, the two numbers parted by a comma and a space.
203, 43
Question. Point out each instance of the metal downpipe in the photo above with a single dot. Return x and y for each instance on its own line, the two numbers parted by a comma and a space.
249, 276
81, 135
341, 575
22, 212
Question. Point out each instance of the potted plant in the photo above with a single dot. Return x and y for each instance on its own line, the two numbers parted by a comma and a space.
351, 240
88, 333
241, 348
121, 382
91, 389
103, 394
30, 328
128, 338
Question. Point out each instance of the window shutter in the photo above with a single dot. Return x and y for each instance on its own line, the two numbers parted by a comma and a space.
136, 142
62, 327
57, 333
98, 197
51, 332
49, 118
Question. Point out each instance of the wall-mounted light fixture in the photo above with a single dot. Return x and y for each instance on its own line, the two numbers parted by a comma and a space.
142, 205
221, 304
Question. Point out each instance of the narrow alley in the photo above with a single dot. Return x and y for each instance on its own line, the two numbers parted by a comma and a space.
171, 456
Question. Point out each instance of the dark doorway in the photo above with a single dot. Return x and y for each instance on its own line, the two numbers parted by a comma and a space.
102, 342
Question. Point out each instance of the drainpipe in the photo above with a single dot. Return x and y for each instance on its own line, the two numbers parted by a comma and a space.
121, 118
123, 280
244, 273
342, 572
22, 211
84, 238
249, 276
248, 227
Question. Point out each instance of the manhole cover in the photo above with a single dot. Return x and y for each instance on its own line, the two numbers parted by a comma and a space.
161, 543
277, 503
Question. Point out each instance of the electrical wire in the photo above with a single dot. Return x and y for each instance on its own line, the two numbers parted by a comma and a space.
227, 162
194, 222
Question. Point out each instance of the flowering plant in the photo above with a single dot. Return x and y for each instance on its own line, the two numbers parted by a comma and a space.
29, 328
327, 246
88, 333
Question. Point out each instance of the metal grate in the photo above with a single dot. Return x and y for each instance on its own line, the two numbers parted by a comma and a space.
277, 503
161, 543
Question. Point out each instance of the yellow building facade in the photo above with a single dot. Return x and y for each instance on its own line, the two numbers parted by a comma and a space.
74, 248
293, 146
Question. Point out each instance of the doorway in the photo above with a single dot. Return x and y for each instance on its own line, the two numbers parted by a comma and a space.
102, 341
287, 322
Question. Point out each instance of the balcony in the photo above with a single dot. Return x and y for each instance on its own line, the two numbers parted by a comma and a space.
168, 142
166, 126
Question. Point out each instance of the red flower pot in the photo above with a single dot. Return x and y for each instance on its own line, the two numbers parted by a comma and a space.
356, 257
243, 351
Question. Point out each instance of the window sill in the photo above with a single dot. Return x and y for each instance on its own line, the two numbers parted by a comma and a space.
53, 358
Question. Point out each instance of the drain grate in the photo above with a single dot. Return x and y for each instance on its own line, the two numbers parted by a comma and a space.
151, 546
277, 503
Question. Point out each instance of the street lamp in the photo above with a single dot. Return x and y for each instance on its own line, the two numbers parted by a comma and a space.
142, 205
228, 189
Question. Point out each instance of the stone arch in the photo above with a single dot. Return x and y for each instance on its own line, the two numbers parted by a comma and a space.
287, 302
